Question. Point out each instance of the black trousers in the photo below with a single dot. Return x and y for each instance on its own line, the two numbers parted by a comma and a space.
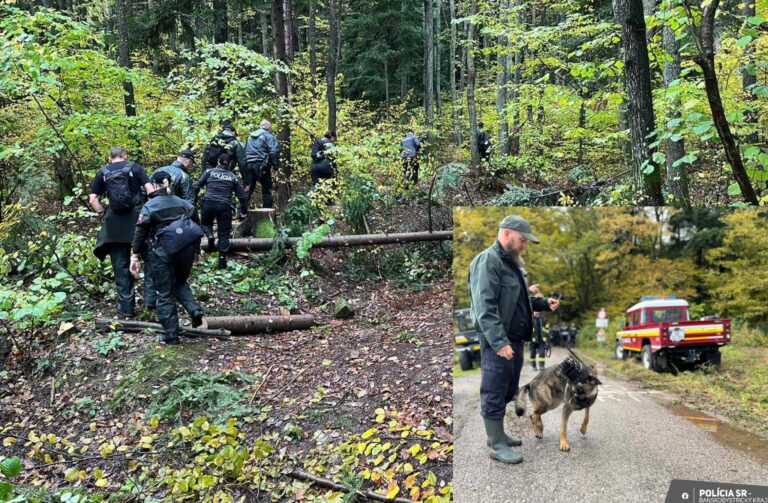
411, 169
538, 354
255, 172
221, 213
170, 275
320, 172
499, 380
120, 256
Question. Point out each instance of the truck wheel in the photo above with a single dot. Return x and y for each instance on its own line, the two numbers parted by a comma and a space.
646, 356
713, 358
619, 353
465, 360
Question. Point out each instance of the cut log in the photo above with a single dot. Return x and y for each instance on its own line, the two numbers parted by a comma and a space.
252, 220
140, 326
259, 245
241, 325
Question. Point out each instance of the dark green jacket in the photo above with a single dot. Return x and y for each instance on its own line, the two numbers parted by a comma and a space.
494, 288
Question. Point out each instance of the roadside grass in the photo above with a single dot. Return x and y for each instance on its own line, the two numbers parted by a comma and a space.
737, 390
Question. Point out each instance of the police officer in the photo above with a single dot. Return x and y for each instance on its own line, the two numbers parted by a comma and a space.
181, 184
539, 343
121, 181
262, 155
225, 142
409, 152
323, 164
170, 271
503, 313
220, 183
483, 143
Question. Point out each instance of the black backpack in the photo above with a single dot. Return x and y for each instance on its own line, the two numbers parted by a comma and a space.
118, 182
178, 234
220, 146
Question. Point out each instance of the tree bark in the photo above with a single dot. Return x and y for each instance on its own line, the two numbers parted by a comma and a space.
475, 154
221, 26
676, 177
244, 325
706, 60
502, 79
637, 74
333, 54
438, 72
259, 245
452, 69
266, 46
280, 21
140, 326
122, 13
429, 63
312, 41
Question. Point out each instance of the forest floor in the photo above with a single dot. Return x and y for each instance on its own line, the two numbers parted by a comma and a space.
112, 412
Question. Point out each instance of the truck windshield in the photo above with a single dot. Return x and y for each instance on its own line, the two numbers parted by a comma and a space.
463, 320
668, 315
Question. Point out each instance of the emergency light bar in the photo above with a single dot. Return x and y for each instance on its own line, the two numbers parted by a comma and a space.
662, 297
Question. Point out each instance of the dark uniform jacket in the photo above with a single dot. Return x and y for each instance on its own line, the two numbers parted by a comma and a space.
159, 211
219, 184
227, 141
321, 156
501, 307
118, 228
182, 183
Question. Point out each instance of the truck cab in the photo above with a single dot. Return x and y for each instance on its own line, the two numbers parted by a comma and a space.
659, 330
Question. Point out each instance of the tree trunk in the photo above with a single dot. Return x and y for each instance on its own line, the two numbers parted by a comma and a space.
122, 13
280, 20
290, 41
502, 79
429, 63
706, 60
452, 69
438, 72
245, 325
266, 46
514, 140
140, 326
312, 41
333, 54
676, 177
475, 153
749, 77
221, 22
637, 74
259, 245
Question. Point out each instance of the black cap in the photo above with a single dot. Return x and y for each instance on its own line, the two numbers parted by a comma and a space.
187, 154
159, 177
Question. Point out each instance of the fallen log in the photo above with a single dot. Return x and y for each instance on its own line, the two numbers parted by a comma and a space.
259, 324
140, 326
259, 245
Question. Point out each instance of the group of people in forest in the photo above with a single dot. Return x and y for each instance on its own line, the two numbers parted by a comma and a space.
154, 219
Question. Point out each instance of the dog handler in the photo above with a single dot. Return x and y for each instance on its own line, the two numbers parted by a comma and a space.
503, 314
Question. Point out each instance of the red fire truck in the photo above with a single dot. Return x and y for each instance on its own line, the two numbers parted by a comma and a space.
659, 330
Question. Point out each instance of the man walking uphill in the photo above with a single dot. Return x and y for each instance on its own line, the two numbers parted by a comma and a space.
121, 181
503, 314
262, 154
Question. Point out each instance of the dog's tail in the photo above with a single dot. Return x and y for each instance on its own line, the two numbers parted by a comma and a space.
520, 400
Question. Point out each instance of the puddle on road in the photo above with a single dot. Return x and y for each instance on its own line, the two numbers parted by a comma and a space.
741, 440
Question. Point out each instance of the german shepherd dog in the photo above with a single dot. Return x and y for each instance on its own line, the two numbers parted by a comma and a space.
547, 390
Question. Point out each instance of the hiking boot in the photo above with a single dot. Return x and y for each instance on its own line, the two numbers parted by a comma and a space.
197, 319
173, 341
222, 261
125, 314
541, 367
500, 451
211, 247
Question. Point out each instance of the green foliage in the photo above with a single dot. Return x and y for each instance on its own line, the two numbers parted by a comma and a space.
106, 345
310, 239
358, 201
297, 216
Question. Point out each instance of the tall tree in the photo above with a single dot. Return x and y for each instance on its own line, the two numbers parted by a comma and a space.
749, 74
312, 40
452, 70
502, 79
438, 72
122, 14
471, 105
677, 172
280, 19
220, 20
704, 37
637, 77
429, 62
333, 55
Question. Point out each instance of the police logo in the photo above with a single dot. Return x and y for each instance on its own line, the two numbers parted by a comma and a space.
179, 231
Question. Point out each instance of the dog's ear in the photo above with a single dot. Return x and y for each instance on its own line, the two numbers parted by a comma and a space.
595, 380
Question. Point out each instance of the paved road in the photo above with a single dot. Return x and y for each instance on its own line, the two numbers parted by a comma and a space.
634, 447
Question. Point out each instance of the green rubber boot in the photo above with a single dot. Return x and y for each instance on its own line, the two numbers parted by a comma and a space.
498, 442
511, 441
